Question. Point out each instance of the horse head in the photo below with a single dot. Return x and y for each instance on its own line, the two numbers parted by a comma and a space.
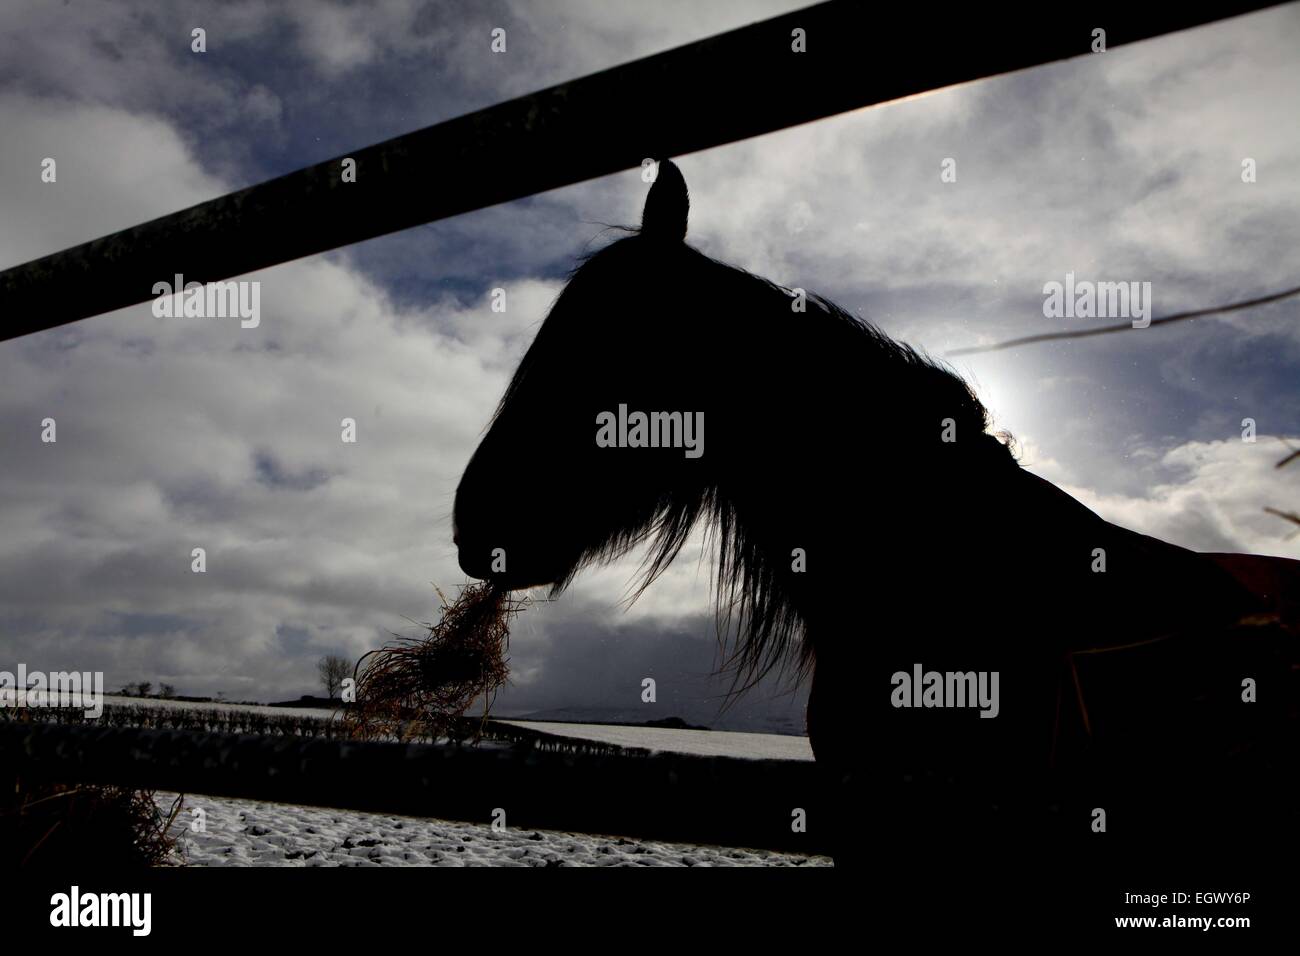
665, 390
551, 487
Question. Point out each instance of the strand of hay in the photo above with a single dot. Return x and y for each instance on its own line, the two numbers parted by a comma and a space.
422, 686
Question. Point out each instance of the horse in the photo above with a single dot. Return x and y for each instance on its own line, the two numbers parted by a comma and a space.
870, 534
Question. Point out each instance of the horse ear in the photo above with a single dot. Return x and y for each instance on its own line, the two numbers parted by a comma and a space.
667, 204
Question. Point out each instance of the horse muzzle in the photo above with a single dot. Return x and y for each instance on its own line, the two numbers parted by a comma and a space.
503, 567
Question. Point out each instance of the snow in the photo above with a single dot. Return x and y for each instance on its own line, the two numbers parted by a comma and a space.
118, 700
250, 833
253, 833
709, 743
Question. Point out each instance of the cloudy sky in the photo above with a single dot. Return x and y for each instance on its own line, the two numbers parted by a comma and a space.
177, 434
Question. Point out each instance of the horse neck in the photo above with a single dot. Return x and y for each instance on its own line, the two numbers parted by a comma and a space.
879, 547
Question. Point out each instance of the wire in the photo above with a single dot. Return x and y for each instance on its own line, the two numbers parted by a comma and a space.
1124, 327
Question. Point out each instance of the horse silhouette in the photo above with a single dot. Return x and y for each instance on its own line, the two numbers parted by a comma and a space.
866, 524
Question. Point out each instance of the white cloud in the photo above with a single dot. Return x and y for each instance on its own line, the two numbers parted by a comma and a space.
137, 168
1210, 496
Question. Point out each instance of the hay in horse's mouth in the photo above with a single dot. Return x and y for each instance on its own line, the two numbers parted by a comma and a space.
421, 685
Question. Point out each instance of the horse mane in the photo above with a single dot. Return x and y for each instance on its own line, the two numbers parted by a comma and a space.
753, 605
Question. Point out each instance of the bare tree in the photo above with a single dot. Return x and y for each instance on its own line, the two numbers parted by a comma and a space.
333, 669
145, 686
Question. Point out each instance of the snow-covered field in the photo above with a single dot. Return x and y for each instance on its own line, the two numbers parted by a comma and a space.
117, 700
248, 833
251, 833
710, 743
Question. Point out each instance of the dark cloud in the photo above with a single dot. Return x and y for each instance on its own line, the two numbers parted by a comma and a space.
589, 665
271, 473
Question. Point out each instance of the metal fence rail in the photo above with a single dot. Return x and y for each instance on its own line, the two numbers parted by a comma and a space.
678, 797
715, 91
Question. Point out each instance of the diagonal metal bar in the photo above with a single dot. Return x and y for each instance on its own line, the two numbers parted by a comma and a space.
719, 90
